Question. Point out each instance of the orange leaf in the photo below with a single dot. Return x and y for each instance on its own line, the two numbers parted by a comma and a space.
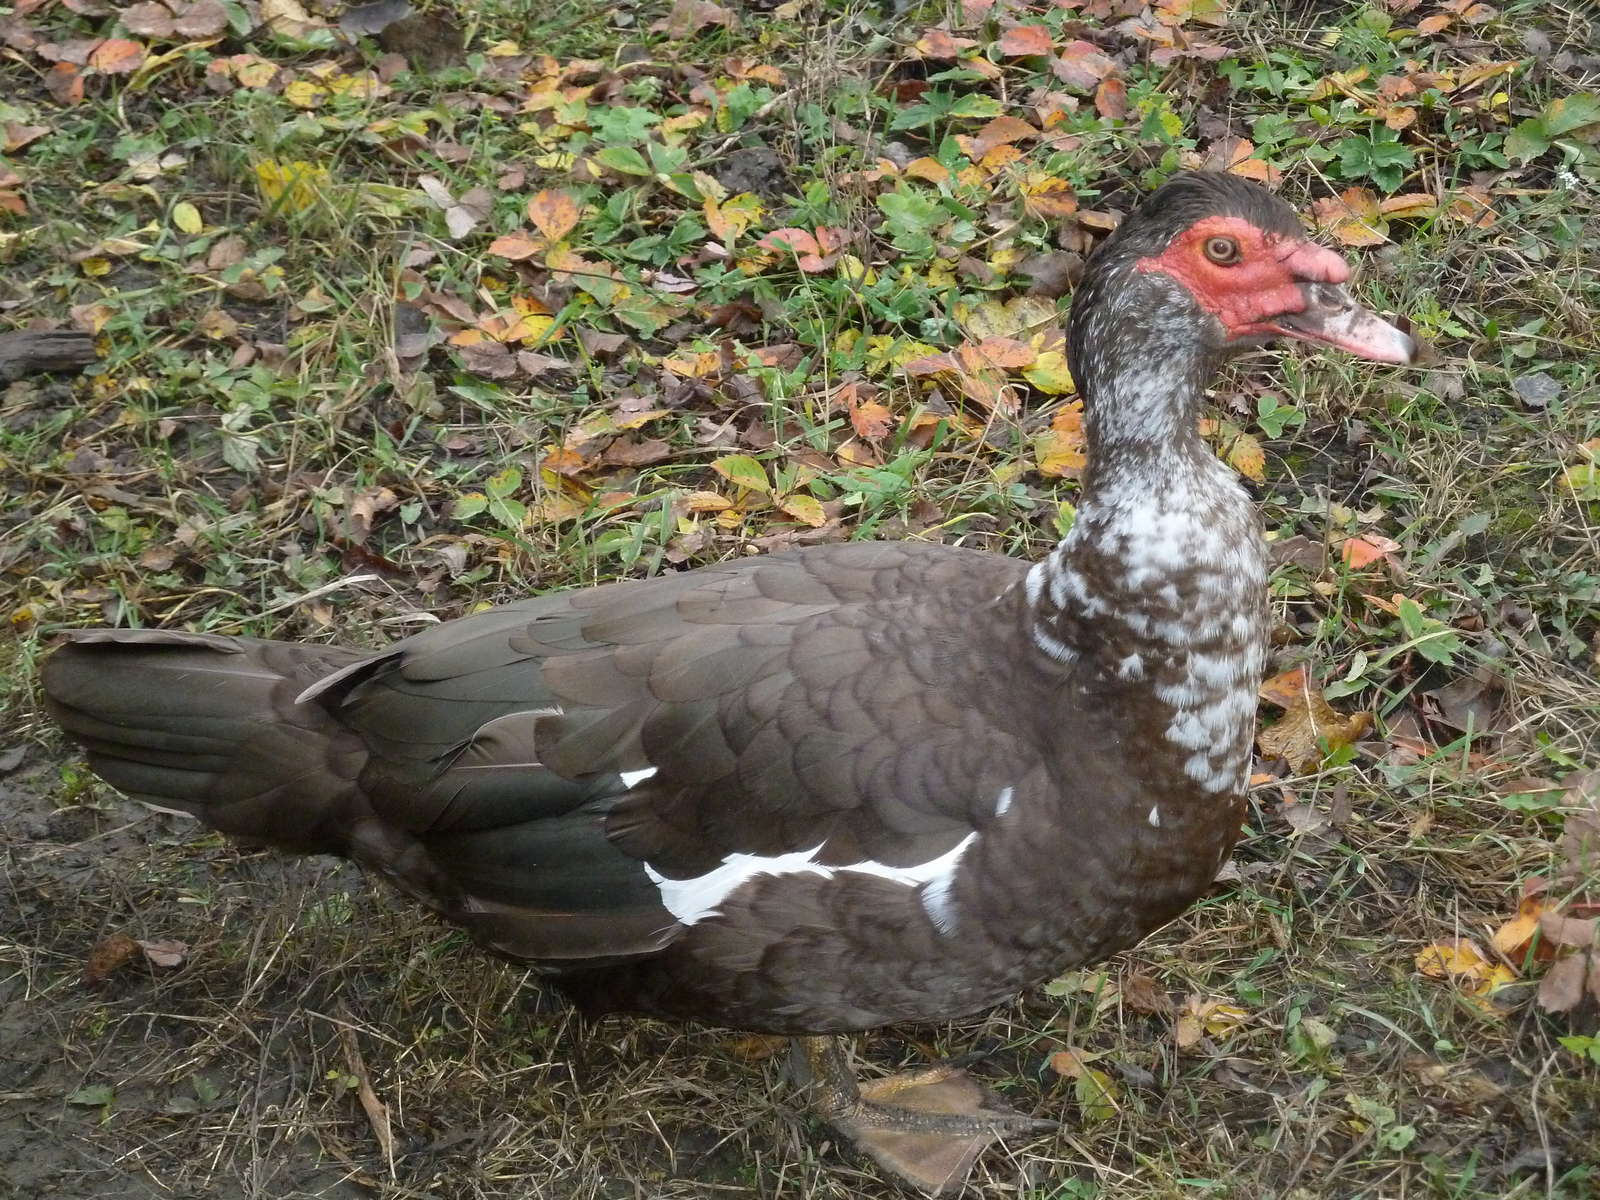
555, 213
1363, 551
1437, 23
1412, 204
515, 246
1286, 689
1111, 99
937, 43
1002, 131
1353, 217
1512, 937
1023, 40
1007, 354
117, 56
870, 420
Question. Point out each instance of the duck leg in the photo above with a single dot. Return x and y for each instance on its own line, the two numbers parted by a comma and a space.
928, 1127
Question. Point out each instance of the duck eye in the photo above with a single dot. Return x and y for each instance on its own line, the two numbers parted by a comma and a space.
1223, 251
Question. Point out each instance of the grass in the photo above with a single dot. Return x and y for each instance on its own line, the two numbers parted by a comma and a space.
279, 441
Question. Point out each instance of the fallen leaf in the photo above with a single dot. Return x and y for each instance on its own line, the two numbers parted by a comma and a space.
690, 16
1462, 962
1310, 729
1353, 217
1081, 66
1063, 450
1023, 40
117, 56
1561, 989
807, 510
1143, 994
743, 471
938, 43
1111, 100
1368, 548
555, 213
1200, 1017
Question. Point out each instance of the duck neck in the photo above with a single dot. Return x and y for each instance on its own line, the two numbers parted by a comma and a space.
1158, 590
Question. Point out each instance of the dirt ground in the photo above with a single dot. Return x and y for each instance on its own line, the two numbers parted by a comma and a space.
239, 1072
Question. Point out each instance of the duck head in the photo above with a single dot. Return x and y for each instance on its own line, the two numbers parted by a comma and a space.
1219, 261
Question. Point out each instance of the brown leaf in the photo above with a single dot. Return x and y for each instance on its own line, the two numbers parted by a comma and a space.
1308, 725
1023, 40
1081, 65
108, 955
147, 20
201, 19
1561, 989
1569, 931
634, 451
1142, 993
690, 16
164, 953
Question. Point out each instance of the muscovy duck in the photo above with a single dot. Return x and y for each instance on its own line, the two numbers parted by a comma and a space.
819, 791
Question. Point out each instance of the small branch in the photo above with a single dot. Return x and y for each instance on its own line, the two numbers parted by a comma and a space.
36, 351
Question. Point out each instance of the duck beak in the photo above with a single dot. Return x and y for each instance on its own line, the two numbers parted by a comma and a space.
1332, 316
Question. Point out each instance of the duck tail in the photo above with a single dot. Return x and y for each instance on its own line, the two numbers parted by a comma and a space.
218, 727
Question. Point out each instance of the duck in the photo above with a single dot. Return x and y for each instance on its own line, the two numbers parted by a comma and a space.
823, 791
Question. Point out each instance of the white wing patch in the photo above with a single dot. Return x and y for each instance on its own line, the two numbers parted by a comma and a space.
634, 778
693, 900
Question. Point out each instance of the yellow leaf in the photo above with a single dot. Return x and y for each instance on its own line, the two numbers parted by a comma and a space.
805, 509
291, 186
302, 93
742, 471
1049, 374
705, 502
186, 217
96, 266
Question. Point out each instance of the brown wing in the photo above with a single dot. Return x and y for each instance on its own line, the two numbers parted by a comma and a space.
781, 703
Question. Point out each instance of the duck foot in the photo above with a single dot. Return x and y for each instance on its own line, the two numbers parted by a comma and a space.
928, 1127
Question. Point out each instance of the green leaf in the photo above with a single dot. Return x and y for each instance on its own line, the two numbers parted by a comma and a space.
623, 158
911, 218
1096, 1095
977, 105
468, 506
1567, 114
743, 471
96, 1095
504, 483
1528, 140
621, 126
1411, 618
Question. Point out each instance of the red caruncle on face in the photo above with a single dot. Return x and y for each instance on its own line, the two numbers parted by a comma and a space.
1258, 276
